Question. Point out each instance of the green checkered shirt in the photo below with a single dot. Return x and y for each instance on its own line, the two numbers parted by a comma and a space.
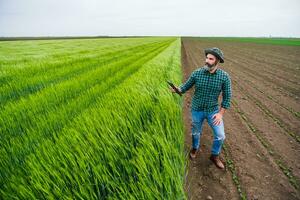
208, 88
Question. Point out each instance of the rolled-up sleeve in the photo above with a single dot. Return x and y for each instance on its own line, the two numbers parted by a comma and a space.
226, 93
188, 84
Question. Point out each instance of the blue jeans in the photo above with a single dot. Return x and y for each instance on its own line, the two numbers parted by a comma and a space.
218, 130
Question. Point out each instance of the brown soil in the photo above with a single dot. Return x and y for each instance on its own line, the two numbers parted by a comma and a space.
262, 126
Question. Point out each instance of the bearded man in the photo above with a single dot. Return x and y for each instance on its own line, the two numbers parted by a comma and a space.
209, 82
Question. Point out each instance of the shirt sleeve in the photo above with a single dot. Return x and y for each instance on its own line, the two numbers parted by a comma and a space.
188, 84
226, 93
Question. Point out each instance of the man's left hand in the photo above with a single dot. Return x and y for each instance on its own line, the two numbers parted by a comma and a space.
217, 119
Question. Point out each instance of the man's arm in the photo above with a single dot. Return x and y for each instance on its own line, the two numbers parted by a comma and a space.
222, 111
188, 84
226, 94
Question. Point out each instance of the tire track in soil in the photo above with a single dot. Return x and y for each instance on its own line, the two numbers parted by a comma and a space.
269, 66
281, 115
259, 174
282, 100
266, 70
291, 87
273, 56
271, 135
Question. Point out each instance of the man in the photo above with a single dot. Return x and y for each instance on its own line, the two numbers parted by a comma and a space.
209, 82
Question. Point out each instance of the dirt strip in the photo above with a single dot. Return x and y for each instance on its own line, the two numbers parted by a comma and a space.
265, 155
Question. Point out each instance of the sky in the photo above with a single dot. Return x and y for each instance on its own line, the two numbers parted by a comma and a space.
248, 18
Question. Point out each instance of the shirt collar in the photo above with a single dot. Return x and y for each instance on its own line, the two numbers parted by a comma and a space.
207, 71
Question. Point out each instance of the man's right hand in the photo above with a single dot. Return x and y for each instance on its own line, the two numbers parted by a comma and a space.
173, 91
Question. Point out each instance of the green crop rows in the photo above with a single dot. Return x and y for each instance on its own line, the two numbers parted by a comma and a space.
90, 119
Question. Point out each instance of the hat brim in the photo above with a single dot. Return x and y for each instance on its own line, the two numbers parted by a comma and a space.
215, 54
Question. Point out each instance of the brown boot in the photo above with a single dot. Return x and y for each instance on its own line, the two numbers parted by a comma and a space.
193, 153
217, 161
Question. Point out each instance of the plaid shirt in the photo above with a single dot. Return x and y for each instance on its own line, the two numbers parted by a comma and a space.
208, 88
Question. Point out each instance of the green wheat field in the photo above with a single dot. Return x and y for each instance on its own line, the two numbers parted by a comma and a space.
91, 119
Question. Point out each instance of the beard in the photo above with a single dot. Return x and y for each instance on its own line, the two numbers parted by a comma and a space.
209, 67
